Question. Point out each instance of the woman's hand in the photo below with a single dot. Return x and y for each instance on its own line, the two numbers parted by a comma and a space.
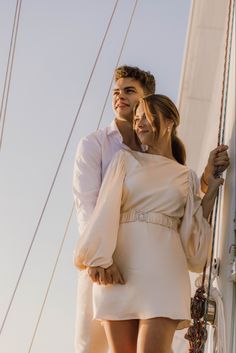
218, 161
214, 183
113, 275
110, 275
97, 274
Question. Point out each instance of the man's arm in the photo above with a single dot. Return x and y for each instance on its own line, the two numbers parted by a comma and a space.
87, 178
218, 161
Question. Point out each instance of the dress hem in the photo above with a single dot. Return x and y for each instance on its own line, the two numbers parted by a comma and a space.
183, 323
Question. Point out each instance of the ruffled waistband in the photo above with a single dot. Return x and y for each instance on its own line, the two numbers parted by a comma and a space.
150, 217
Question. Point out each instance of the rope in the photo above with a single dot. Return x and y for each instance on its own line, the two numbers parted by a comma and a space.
117, 63
51, 278
221, 134
73, 206
225, 85
10, 60
197, 333
223, 96
57, 171
233, 324
228, 71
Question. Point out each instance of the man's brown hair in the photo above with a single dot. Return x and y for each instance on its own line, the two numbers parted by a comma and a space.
145, 78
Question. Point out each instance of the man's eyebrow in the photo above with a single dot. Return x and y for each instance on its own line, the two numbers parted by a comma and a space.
127, 87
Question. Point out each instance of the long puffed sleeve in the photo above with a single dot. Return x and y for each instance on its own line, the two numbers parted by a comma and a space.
98, 240
87, 178
195, 231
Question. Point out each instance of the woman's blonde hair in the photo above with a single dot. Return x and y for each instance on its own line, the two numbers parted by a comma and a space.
156, 104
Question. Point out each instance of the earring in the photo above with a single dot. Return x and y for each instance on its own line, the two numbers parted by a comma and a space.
169, 129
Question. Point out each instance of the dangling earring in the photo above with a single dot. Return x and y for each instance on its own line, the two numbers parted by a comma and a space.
169, 129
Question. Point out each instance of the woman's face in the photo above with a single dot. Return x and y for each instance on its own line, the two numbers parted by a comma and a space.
145, 130
142, 127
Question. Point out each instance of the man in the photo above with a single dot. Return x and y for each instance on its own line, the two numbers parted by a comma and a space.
93, 156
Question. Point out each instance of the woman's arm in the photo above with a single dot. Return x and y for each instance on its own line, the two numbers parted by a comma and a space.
97, 241
210, 196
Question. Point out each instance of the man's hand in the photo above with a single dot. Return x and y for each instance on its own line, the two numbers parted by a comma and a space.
218, 161
110, 275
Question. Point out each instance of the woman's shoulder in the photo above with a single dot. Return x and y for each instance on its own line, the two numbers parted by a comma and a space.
119, 158
126, 158
125, 155
194, 181
192, 175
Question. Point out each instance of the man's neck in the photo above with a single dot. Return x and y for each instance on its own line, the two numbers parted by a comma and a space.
127, 132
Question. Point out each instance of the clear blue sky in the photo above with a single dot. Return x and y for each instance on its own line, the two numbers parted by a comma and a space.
56, 48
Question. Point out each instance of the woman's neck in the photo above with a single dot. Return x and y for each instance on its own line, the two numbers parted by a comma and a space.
162, 148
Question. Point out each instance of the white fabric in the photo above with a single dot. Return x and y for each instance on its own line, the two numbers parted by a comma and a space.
148, 250
220, 330
93, 156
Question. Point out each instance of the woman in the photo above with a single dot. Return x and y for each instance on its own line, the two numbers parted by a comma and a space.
150, 220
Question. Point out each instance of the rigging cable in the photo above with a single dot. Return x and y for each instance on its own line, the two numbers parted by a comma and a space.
73, 206
197, 332
57, 170
117, 63
220, 335
51, 278
221, 136
10, 60
221, 130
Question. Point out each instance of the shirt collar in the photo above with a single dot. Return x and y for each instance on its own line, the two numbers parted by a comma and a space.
113, 129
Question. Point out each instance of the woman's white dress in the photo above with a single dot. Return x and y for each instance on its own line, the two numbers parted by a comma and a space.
148, 219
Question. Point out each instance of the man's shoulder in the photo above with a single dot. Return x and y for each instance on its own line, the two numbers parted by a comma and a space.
96, 136
92, 143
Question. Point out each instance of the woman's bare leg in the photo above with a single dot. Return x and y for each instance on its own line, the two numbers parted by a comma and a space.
122, 335
156, 335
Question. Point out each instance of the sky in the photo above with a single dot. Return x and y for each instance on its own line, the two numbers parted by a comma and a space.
56, 49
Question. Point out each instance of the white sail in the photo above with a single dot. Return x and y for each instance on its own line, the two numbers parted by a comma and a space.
199, 103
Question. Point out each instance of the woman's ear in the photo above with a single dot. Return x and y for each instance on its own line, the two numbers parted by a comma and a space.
169, 125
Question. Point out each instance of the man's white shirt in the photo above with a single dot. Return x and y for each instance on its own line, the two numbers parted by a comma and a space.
93, 156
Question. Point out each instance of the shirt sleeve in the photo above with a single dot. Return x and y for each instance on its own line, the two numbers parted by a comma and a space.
97, 242
87, 178
195, 231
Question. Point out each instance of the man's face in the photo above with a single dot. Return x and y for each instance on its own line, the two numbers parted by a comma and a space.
126, 94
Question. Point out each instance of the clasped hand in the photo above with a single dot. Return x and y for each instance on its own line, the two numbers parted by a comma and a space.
110, 275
